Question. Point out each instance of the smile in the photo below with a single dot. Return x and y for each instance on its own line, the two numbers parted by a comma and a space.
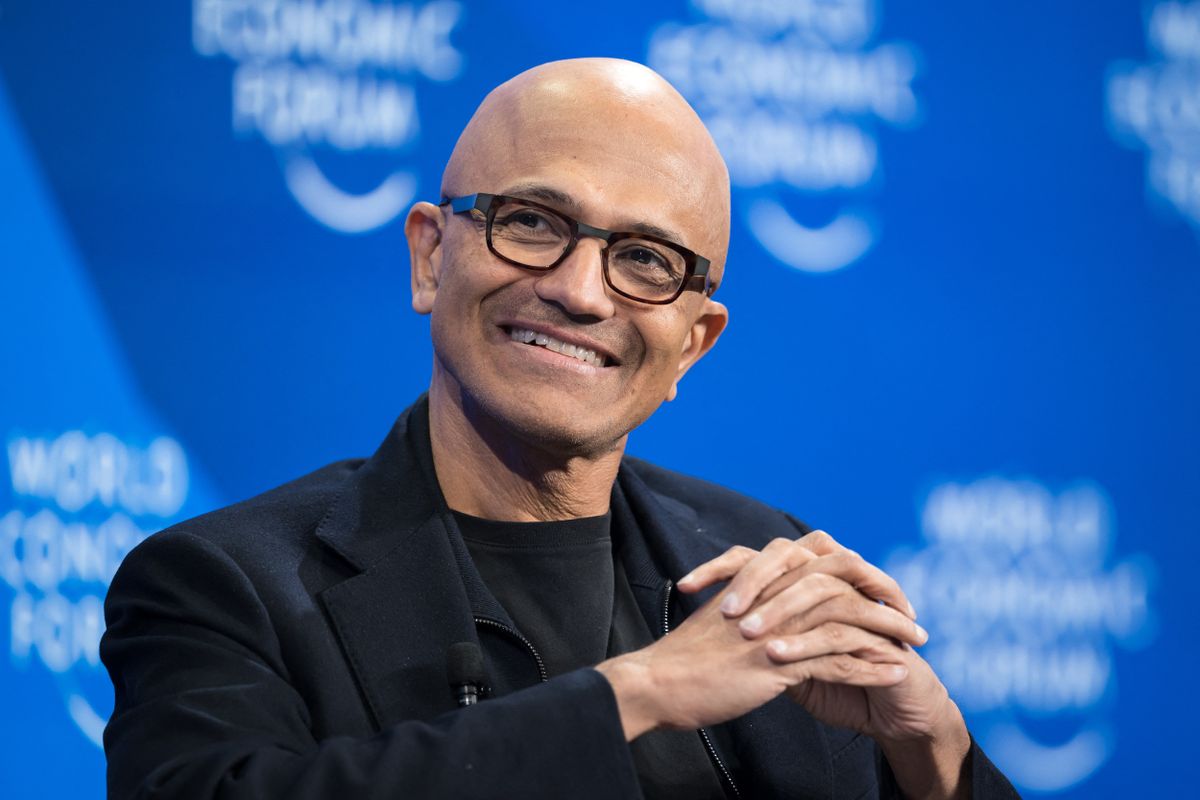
537, 339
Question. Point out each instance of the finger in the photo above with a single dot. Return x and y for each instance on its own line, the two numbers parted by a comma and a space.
854, 570
820, 543
721, 568
778, 557
820, 598
802, 596
846, 669
830, 639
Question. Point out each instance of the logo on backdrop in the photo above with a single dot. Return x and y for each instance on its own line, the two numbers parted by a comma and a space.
320, 79
793, 91
1024, 612
81, 503
1156, 105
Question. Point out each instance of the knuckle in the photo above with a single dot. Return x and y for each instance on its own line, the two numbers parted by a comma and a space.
849, 609
843, 562
845, 593
835, 634
819, 537
798, 555
844, 666
861, 611
779, 543
872, 649
791, 596
820, 581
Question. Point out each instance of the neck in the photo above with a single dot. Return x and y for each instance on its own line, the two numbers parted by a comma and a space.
486, 470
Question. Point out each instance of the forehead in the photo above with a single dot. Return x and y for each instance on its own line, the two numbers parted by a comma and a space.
624, 162
569, 204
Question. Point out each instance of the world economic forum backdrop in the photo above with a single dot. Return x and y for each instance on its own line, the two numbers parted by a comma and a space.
964, 283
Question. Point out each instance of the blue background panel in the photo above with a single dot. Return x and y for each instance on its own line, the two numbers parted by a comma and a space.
963, 281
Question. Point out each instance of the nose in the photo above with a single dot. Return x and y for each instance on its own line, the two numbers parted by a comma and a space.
577, 284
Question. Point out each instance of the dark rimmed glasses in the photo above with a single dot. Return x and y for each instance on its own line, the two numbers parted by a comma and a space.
635, 265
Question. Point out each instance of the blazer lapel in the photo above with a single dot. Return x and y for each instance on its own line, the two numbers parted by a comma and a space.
399, 615
673, 539
396, 621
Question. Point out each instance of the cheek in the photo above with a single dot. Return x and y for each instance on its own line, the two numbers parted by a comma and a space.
664, 339
468, 282
453, 320
464, 281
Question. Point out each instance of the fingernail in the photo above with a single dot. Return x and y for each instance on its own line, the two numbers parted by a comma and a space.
691, 576
751, 624
730, 604
778, 647
921, 632
912, 612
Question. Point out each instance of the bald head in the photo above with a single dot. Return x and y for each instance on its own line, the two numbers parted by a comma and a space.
614, 146
602, 131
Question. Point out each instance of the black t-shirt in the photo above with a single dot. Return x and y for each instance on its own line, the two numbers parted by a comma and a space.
555, 580
566, 592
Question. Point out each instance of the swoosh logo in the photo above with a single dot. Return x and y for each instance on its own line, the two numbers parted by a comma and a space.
1048, 768
342, 211
89, 722
835, 246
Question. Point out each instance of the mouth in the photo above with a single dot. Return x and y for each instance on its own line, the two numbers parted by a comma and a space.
579, 352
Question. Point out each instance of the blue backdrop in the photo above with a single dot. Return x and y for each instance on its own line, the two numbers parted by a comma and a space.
964, 282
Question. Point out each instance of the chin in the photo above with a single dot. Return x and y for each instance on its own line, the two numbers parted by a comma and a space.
562, 429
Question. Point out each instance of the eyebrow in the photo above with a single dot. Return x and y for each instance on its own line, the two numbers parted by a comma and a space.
560, 199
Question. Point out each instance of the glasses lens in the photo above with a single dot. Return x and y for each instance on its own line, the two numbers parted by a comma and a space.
529, 235
645, 269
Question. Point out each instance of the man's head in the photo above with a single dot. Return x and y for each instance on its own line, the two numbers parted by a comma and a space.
612, 145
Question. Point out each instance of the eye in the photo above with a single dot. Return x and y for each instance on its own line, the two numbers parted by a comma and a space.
637, 265
529, 219
527, 224
646, 257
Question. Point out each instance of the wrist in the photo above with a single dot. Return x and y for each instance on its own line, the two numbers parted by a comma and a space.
935, 765
633, 688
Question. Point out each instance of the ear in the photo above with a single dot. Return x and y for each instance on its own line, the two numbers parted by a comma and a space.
423, 229
700, 339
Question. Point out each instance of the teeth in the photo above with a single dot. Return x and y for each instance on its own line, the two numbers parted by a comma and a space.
550, 343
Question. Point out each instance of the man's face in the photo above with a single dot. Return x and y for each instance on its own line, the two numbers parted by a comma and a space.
614, 176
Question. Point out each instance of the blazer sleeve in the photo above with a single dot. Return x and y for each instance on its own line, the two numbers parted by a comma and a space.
204, 708
987, 781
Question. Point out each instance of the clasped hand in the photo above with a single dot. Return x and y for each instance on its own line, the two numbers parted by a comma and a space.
808, 617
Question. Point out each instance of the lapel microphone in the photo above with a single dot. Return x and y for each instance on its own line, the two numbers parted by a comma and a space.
464, 671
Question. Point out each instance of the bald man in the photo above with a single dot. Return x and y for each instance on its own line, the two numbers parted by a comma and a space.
627, 631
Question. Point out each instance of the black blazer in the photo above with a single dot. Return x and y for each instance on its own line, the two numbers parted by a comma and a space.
294, 645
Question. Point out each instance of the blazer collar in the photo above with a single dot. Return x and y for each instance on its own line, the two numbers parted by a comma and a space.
390, 495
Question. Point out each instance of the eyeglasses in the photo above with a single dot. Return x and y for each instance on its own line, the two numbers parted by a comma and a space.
635, 265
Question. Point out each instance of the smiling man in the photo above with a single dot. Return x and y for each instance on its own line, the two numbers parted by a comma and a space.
630, 631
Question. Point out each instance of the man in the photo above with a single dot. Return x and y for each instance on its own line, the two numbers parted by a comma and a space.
296, 645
